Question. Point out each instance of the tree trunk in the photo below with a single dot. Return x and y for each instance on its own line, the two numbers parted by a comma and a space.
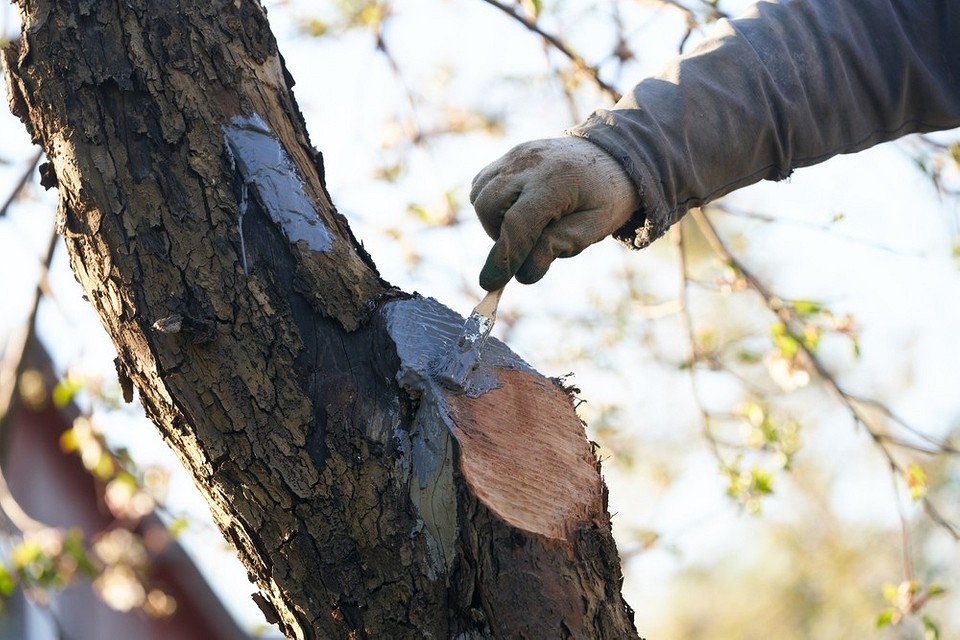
365, 500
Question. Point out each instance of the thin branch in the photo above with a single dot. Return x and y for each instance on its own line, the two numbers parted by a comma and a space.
21, 183
578, 62
912, 446
762, 217
381, 46
941, 446
692, 352
566, 88
689, 17
694, 19
904, 530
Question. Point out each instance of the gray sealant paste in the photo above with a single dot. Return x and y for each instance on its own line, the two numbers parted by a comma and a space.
268, 171
424, 331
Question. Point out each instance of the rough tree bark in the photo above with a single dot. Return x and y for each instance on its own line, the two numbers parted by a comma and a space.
291, 380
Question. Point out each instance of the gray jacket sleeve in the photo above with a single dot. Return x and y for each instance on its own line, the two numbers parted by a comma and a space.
787, 85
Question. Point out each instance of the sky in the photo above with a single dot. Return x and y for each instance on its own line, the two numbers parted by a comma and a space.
888, 260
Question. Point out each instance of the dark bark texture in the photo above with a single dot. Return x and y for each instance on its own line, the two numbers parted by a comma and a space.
291, 380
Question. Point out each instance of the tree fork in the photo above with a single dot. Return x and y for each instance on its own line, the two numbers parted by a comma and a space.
292, 381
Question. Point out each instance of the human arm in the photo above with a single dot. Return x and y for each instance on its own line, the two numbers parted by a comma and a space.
787, 85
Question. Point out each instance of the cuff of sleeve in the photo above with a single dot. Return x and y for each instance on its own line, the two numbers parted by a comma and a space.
651, 220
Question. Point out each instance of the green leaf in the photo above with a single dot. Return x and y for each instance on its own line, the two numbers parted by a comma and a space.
783, 341
916, 480
890, 592
178, 526
101, 466
806, 307
533, 7
930, 630
26, 553
126, 478
761, 480
886, 617
314, 27
810, 337
65, 390
68, 441
955, 152
7, 581
419, 211
75, 548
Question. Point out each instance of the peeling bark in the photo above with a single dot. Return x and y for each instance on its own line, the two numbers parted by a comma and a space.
290, 379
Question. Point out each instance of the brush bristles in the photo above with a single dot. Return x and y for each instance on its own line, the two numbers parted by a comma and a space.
456, 366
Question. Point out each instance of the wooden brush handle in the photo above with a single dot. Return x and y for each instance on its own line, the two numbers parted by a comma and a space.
488, 306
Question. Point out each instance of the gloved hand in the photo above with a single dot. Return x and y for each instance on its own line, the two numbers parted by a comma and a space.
548, 199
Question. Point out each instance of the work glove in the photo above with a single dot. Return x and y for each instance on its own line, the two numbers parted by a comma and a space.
548, 199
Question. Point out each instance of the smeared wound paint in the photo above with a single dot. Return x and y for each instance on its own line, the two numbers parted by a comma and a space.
424, 331
268, 171
455, 367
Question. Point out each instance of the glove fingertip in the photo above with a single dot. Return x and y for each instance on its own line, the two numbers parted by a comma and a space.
497, 269
492, 279
531, 274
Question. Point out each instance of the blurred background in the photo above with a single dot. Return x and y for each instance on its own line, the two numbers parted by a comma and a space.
774, 385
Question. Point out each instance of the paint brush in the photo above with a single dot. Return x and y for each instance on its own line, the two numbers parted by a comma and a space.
456, 366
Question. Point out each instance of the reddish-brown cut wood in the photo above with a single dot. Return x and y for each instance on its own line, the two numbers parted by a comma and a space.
524, 454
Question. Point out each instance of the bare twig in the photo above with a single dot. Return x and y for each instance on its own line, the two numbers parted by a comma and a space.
381, 46
692, 352
21, 183
762, 217
709, 12
904, 531
555, 42
940, 445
